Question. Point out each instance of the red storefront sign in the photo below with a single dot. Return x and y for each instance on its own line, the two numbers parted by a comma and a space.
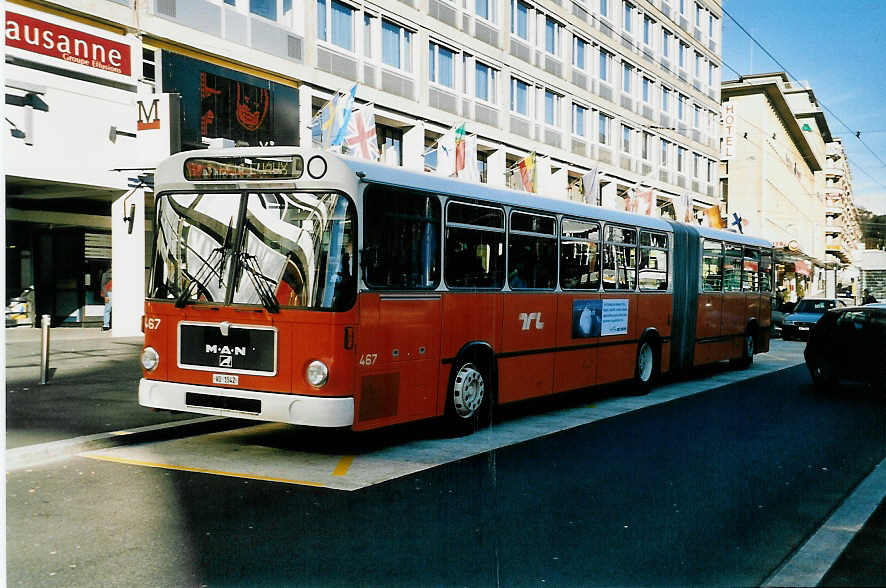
38, 36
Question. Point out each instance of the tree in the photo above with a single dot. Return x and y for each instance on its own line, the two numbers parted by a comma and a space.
873, 229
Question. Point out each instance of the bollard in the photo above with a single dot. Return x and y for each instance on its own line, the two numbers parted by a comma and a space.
44, 348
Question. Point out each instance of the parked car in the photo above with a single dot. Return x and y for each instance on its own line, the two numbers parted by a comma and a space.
807, 312
849, 344
778, 314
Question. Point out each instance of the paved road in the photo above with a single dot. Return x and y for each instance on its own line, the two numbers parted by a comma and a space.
717, 488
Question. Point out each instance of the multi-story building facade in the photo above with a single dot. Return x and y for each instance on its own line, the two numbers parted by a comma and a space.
629, 87
788, 179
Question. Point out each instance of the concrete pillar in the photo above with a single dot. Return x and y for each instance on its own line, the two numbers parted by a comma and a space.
496, 164
559, 184
128, 264
414, 147
543, 176
305, 100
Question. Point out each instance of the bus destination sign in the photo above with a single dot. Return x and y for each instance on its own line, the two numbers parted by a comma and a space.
283, 167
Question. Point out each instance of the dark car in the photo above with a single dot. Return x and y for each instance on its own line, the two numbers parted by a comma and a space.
807, 312
849, 344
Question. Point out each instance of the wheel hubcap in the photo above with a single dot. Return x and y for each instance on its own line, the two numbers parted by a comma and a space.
644, 363
749, 345
468, 390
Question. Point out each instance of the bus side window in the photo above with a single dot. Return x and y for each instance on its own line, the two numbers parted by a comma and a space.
401, 243
712, 266
475, 246
619, 258
653, 269
579, 255
750, 281
532, 251
766, 272
732, 262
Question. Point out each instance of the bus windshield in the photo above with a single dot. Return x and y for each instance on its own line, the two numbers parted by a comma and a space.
291, 249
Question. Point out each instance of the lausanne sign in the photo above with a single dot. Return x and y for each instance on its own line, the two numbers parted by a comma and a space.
60, 42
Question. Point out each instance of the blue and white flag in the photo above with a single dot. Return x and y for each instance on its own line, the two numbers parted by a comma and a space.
334, 117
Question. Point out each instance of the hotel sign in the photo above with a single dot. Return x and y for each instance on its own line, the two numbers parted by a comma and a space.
45, 38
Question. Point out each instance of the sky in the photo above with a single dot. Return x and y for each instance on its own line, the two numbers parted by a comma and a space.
838, 48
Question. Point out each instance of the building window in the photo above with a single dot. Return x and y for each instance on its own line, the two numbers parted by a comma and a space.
484, 9
712, 73
698, 61
627, 72
626, 138
664, 153
647, 90
665, 99
484, 82
603, 124
644, 146
368, 26
579, 52
665, 43
696, 116
629, 15
647, 30
396, 46
520, 19
605, 59
552, 108
441, 65
519, 96
340, 19
711, 25
483, 166
579, 115
682, 6
604, 8
552, 36
681, 56
265, 8
697, 15
681, 107
390, 142
681, 157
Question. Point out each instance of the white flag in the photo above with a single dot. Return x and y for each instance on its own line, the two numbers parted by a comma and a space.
446, 154
589, 183
471, 170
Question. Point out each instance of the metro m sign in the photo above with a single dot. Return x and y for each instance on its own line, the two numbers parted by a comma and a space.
148, 117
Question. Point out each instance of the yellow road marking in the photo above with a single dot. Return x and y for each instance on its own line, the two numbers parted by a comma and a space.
343, 464
203, 470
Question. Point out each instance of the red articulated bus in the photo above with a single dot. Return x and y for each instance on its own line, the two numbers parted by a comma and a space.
299, 286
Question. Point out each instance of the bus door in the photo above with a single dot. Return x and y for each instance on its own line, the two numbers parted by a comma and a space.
526, 353
578, 308
750, 283
735, 304
617, 350
710, 304
398, 337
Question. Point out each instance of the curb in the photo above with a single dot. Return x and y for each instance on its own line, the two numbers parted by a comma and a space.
44, 453
809, 564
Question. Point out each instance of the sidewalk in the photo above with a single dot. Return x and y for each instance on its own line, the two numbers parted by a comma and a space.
93, 386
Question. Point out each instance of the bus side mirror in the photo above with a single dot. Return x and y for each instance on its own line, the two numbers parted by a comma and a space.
130, 219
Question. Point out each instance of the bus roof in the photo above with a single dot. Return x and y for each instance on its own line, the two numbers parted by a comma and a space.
170, 176
395, 176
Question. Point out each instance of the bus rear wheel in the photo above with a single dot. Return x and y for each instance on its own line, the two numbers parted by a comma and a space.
748, 348
468, 400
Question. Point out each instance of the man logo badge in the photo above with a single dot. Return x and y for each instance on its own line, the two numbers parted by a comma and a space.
225, 361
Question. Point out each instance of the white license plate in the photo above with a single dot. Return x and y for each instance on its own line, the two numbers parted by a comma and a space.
225, 379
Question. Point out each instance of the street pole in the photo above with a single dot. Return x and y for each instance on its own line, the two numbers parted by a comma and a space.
44, 348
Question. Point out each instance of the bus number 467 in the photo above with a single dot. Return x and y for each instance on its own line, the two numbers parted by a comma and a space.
368, 359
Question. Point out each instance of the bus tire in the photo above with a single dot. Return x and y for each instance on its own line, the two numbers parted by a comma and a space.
645, 366
748, 348
468, 400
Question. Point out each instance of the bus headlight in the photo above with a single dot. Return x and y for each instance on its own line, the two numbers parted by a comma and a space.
317, 373
150, 358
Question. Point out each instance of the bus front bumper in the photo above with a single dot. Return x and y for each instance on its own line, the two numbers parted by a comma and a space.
294, 409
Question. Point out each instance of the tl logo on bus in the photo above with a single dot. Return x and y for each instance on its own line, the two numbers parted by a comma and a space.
528, 318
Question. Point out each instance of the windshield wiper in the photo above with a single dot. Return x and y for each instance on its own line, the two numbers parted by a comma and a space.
260, 282
214, 265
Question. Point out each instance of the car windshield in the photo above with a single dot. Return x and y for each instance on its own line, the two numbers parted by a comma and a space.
279, 249
815, 306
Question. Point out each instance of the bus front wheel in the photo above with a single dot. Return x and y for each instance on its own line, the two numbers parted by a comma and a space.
644, 367
468, 400
748, 348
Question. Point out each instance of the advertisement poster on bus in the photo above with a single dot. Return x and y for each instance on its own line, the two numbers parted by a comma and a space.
599, 318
